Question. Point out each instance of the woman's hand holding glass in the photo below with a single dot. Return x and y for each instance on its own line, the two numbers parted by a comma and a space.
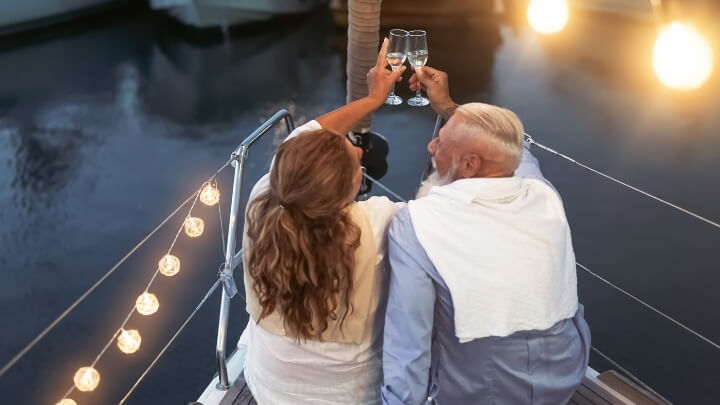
396, 54
380, 81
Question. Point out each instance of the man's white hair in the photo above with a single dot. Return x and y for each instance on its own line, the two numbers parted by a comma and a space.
499, 124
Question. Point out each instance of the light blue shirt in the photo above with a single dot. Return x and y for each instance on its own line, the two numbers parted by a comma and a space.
423, 359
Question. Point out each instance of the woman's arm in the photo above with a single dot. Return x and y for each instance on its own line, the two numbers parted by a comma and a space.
380, 82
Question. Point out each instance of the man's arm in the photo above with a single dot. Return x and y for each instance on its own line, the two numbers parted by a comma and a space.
436, 85
408, 318
379, 81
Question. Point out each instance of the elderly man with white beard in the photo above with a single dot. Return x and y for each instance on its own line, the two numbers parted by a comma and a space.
483, 305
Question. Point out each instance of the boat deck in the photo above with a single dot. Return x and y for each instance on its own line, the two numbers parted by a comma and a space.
607, 388
238, 394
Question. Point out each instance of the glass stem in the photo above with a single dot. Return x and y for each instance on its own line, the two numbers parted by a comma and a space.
392, 91
417, 94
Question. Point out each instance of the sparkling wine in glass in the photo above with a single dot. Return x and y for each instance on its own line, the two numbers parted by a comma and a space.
417, 56
396, 54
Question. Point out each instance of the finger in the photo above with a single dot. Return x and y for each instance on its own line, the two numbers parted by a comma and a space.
381, 61
429, 70
421, 75
396, 75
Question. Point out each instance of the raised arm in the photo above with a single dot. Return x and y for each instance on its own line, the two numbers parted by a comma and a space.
380, 81
435, 83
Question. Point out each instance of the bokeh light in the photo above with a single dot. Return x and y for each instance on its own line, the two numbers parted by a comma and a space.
548, 16
682, 58
209, 195
169, 265
86, 379
129, 341
194, 227
147, 304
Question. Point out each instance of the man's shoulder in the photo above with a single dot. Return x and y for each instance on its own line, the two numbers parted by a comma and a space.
401, 230
401, 219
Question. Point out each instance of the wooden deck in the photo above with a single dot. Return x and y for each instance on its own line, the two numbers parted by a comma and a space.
607, 388
611, 388
238, 394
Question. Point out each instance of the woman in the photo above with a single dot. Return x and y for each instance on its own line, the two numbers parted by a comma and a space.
313, 261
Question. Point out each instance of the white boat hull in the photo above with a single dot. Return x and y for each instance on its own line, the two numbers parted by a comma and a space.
17, 14
223, 13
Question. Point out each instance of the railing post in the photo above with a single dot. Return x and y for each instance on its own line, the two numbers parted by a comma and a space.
233, 258
239, 163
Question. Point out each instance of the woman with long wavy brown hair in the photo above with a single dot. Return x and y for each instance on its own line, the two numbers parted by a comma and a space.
314, 265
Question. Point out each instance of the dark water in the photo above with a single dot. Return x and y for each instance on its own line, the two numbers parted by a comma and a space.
104, 130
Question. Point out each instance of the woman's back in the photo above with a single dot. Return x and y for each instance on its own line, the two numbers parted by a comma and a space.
342, 364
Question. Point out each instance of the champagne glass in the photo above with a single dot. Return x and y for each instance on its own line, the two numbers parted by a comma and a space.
417, 56
396, 54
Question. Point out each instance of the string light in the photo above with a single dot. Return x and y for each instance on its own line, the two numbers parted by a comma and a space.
548, 16
169, 265
194, 227
682, 58
86, 379
209, 195
147, 304
129, 341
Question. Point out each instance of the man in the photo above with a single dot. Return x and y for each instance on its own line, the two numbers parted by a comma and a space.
483, 299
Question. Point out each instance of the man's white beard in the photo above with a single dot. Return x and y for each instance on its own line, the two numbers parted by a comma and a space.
435, 179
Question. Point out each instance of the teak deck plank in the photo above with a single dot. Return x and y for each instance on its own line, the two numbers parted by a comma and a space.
588, 393
239, 394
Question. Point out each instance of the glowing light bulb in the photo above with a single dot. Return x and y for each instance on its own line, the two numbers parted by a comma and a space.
194, 227
147, 304
209, 195
129, 341
682, 58
548, 16
66, 401
86, 379
169, 265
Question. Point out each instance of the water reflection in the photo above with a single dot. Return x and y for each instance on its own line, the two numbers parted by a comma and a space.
212, 83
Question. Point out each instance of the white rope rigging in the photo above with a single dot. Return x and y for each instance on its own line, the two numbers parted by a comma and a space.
133, 309
646, 305
82, 297
385, 188
172, 339
187, 320
625, 371
530, 139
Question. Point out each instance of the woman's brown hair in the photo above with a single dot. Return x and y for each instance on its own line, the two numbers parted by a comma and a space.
302, 240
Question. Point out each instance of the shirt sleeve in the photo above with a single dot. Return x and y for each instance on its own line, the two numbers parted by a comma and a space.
380, 211
529, 167
408, 319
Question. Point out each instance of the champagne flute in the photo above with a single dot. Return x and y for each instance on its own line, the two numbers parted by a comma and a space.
396, 54
418, 56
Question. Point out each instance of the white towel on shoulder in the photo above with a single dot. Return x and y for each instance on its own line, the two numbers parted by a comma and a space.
503, 248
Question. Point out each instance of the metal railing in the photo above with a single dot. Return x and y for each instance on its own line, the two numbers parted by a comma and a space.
232, 257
